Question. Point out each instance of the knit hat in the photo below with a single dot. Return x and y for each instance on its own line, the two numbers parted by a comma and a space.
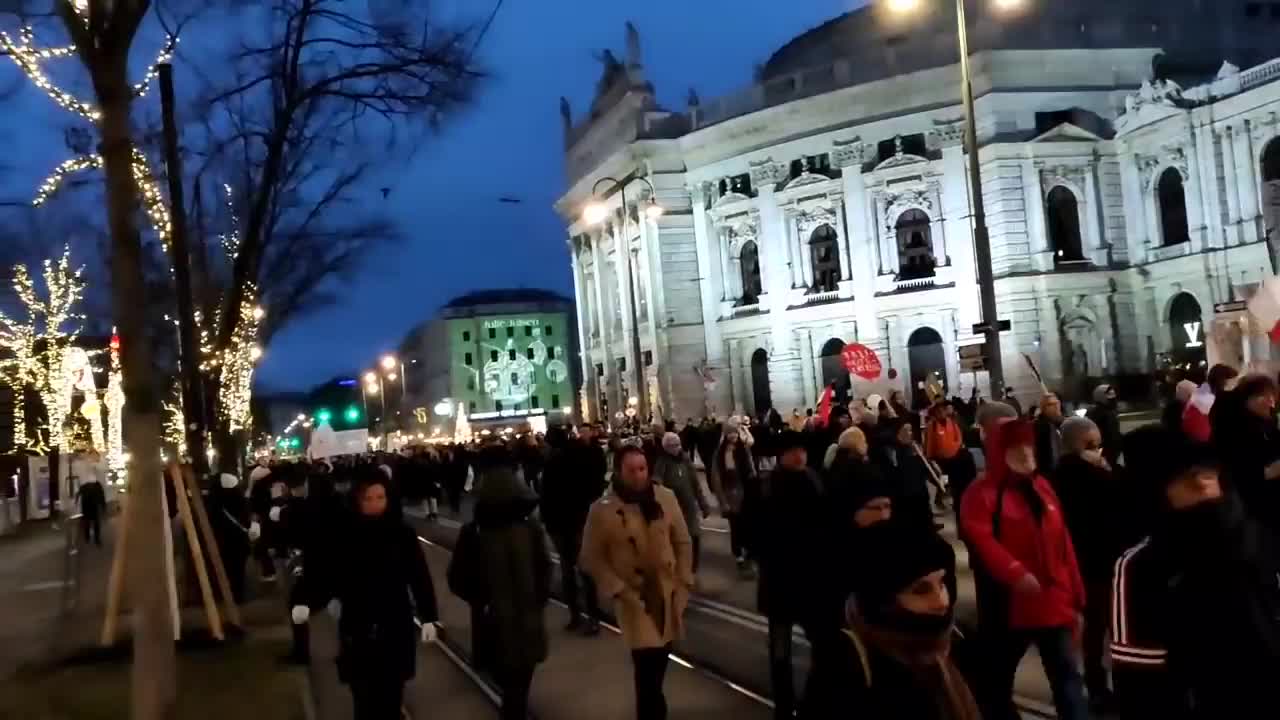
1100, 393
790, 439
1155, 456
990, 412
671, 443
873, 402
865, 487
849, 437
903, 554
1184, 390
1073, 429
732, 425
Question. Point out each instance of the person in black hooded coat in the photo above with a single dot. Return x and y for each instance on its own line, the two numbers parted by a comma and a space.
381, 579
1247, 440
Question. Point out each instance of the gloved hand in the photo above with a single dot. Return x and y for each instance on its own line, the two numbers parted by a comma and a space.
430, 633
274, 514
255, 531
334, 608
300, 614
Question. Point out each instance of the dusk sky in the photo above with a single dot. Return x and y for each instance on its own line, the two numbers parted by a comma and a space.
508, 143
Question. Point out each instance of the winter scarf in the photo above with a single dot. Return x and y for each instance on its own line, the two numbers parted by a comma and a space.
922, 644
650, 508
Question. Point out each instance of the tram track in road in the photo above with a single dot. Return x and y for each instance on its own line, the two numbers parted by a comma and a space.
740, 618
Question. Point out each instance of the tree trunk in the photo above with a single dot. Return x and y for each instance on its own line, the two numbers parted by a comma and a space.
154, 686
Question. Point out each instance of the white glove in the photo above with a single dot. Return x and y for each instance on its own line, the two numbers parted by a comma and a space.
429, 633
334, 608
255, 531
274, 514
300, 614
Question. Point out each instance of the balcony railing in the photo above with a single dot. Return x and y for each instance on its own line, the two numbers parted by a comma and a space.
745, 310
822, 297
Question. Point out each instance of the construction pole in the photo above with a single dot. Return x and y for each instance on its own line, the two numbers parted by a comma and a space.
189, 350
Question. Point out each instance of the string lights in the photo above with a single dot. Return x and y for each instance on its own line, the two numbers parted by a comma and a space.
152, 199
114, 400
231, 240
236, 365
175, 421
28, 57
54, 181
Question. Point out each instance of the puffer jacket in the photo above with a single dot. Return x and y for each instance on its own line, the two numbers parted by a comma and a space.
1020, 545
678, 474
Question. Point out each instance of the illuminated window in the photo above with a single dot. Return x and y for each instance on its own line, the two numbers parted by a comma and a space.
467, 360
511, 354
511, 332
493, 333
528, 331
555, 401
534, 402
528, 353
466, 336
493, 355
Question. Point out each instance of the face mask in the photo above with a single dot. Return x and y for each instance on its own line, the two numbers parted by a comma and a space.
1093, 457
229, 482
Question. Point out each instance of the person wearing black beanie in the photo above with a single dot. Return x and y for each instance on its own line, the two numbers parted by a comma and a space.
1196, 619
894, 657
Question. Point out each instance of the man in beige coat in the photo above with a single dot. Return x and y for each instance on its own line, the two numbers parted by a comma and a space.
638, 550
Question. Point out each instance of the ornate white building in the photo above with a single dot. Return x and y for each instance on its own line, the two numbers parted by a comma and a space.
829, 204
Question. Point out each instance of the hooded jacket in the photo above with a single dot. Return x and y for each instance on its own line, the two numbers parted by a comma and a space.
998, 521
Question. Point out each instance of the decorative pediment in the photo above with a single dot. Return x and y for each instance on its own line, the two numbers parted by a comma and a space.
1072, 176
805, 179
729, 198
1067, 132
904, 200
849, 153
809, 220
767, 172
1149, 166
946, 133
738, 229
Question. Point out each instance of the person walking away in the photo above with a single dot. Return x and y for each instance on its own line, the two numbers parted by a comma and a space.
794, 538
512, 578
1030, 588
897, 655
93, 505
1171, 415
675, 472
1196, 624
1097, 509
383, 584
637, 548
1197, 416
1049, 434
904, 462
264, 492
1247, 439
312, 522
232, 529
572, 481
1105, 414
944, 443
732, 478
1011, 399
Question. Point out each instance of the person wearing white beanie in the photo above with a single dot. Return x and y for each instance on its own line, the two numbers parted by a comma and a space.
674, 470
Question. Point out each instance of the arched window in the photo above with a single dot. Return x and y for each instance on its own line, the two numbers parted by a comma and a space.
824, 252
751, 284
1173, 208
915, 246
928, 359
833, 366
1186, 333
1271, 161
760, 392
1064, 226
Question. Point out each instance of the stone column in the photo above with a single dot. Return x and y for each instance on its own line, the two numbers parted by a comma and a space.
1033, 200
793, 248
728, 267
784, 371
710, 269
604, 317
843, 244
959, 229
1137, 233
882, 238
738, 392
809, 379
1204, 217
1093, 218
589, 386
804, 255
622, 259
1231, 179
860, 239
1247, 180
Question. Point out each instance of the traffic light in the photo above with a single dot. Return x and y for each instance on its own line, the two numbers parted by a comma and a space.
352, 415
323, 416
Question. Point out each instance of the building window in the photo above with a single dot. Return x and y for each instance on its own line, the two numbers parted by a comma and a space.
915, 246
511, 354
497, 405
528, 352
466, 336
648, 358
749, 261
511, 332
600, 370
515, 378
493, 356
1064, 226
547, 331
471, 383
557, 352
493, 333
534, 402
622, 364
1173, 208
466, 359
825, 255
555, 401
528, 331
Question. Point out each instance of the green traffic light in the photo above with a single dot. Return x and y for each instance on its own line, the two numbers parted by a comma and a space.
323, 415
353, 414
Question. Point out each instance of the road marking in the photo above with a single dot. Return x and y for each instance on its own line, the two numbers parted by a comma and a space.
49, 585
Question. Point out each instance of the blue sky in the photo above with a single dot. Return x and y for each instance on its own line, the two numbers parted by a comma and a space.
508, 143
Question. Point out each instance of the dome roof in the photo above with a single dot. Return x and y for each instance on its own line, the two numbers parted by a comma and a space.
878, 43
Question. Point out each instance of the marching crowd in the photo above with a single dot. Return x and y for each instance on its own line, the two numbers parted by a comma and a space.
1142, 567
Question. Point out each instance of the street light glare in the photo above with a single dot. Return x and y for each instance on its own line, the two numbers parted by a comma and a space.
1007, 4
653, 211
371, 389
388, 362
595, 213
370, 378
391, 377
903, 5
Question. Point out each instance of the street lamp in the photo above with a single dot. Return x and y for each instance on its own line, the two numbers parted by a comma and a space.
388, 362
597, 212
981, 236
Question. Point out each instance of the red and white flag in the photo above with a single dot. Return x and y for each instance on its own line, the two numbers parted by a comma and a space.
824, 406
1264, 306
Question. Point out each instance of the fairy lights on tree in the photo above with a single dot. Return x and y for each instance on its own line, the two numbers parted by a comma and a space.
234, 366
114, 400
175, 421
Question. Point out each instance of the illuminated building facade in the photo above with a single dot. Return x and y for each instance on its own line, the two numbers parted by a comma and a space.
1129, 170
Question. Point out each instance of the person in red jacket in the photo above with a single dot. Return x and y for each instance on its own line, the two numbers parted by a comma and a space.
1013, 521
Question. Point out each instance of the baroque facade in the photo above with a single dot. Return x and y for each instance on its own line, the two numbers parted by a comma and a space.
1129, 217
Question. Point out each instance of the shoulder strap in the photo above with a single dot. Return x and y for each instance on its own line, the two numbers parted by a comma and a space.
863, 657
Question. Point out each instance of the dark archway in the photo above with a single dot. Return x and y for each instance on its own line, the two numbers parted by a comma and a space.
833, 368
925, 354
915, 245
760, 392
824, 252
752, 286
1186, 333
1271, 161
1172, 199
1271, 188
1063, 214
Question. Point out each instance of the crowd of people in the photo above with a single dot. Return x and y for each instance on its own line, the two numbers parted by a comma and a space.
1142, 567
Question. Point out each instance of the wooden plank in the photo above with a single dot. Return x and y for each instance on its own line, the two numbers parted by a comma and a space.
229, 606
197, 557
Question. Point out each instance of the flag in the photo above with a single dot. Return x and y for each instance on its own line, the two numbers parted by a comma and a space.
1264, 306
824, 405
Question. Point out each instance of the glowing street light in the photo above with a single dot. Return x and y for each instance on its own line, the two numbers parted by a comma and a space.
391, 377
371, 388
595, 213
370, 378
388, 362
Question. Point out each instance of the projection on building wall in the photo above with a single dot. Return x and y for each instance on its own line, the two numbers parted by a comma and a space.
510, 363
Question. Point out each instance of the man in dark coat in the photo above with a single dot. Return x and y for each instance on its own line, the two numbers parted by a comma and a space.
228, 511
1196, 632
1049, 434
901, 460
573, 480
792, 539
1105, 414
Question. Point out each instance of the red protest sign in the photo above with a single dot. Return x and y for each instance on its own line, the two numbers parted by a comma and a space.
861, 361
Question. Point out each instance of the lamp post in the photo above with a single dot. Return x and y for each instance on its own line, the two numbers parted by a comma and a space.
981, 236
595, 213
